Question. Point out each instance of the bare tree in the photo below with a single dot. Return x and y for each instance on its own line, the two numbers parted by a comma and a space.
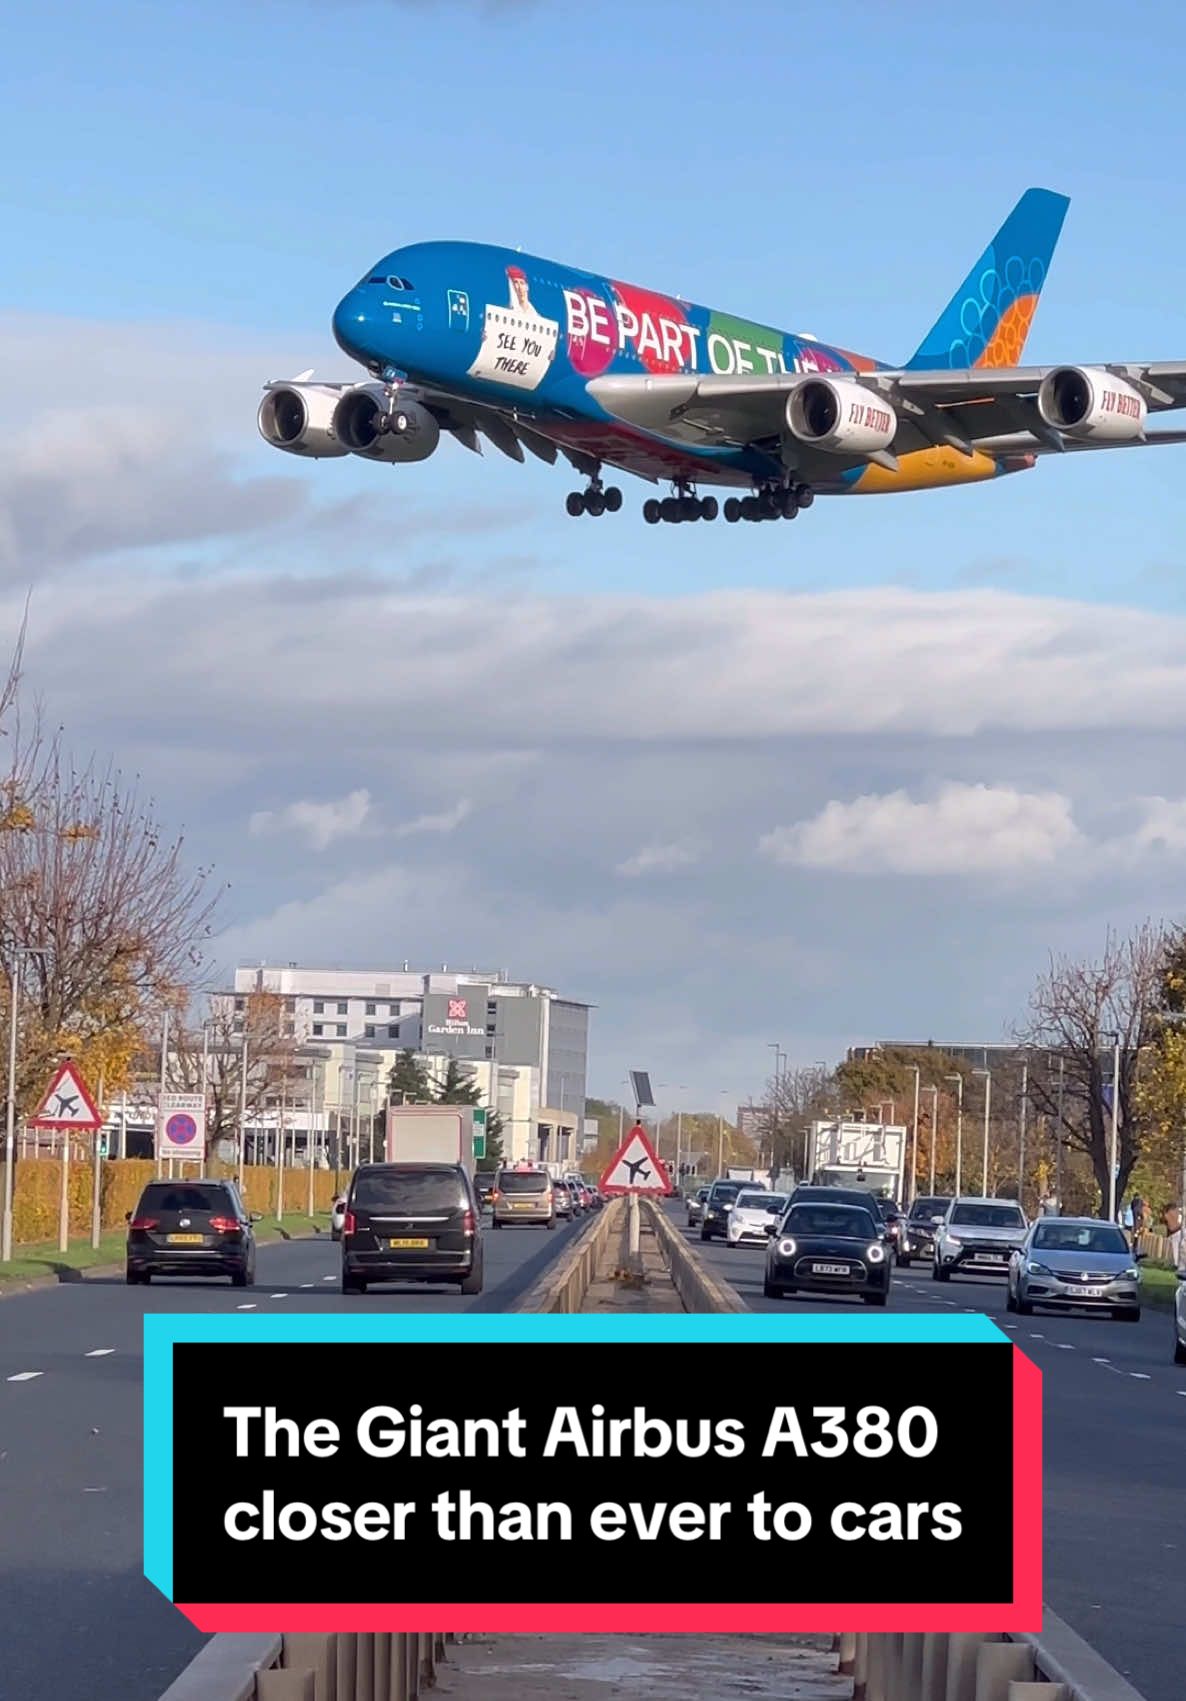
792, 1100
93, 888
272, 1067
1075, 1010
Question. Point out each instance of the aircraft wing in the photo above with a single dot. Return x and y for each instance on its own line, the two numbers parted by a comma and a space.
966, 409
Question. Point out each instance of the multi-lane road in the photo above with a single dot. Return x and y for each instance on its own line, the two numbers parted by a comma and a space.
1115, 1457
79, 1620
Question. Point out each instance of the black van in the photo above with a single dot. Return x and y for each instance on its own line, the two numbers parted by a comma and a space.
411, 1223
191, 1228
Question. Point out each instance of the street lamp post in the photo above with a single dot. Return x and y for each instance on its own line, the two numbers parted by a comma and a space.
959, 1132
1022, 1118
1062, 1075
934, 1133
14, 997
912, 1187
243, 1112
1112, 1145
987, 1073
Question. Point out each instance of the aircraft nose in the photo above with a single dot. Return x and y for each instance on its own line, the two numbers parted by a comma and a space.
350, 322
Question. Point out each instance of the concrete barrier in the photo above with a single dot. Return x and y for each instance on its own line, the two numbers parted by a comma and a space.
563, 1286
1057, 1665
698, 1290
384, 1666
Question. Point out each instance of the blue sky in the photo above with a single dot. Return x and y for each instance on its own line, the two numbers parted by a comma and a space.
190, 190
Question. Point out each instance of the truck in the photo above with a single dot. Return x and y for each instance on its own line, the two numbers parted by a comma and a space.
858, 1154
431, 1134
735, 1174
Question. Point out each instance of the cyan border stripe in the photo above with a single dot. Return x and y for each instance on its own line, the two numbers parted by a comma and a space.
162, 1333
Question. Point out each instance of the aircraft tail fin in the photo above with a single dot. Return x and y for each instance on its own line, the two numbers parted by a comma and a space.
987, 320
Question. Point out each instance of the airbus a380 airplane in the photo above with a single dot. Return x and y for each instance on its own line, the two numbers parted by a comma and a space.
488, 343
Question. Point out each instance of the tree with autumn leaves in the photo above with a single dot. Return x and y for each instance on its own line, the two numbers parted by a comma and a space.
99, 909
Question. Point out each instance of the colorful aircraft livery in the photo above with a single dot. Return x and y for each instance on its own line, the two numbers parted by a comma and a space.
491, 346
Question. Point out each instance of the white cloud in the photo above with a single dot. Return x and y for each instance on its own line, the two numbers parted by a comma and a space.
964, 829
447, 821
320, 823
657, 859
1162, 827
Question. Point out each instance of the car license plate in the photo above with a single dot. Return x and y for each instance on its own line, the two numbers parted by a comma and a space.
185, 1239
988, 1258
521, 1205
829, 1269
1091, 1293
400, 1245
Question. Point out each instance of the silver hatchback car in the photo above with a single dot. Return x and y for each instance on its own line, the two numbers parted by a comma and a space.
1076, 1261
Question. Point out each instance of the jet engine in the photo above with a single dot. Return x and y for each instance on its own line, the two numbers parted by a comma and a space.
840, 417
367, 425
298, 418
1089, 403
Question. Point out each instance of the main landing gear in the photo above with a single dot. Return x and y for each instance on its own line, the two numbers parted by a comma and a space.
774, 502
684, 505
595, 500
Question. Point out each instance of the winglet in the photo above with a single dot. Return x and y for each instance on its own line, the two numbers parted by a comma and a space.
987, 320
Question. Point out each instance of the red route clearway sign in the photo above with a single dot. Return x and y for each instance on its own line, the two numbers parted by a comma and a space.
635, 1167
68, 1103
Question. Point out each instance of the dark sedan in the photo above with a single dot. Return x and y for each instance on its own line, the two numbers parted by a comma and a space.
917, 1239
828, 1249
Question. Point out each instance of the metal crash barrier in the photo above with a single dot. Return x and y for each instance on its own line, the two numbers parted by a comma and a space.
384, 1666
1058, 1665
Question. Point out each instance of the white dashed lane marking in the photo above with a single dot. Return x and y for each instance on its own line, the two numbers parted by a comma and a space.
1140, 1375
25, 1375
99, 1352
245, 1308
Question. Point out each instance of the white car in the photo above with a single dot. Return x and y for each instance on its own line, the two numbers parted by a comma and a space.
752, 1215
1180, 1315
978, 1237
337, 1216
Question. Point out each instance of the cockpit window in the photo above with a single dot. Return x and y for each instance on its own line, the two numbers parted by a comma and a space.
399, 283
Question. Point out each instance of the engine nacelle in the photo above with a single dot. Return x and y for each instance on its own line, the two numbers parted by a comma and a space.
1089, 403
840, 417
298, 418
365, 426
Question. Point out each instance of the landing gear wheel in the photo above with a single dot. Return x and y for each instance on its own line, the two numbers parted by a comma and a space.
750, 508
732, 510
575, 504
804, 495
595, 504
708, 508
689, 508
613, 499
671, 510
788, 505
652, 511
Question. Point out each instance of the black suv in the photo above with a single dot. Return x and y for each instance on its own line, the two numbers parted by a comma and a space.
191, 1228
918, 1231
714, 1219
411, 1223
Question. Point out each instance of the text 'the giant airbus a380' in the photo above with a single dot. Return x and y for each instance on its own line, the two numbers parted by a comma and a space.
485, 343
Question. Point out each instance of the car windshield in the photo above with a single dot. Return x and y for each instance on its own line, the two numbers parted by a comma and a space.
408, 1191
988, 1215
727, 1192
1080, 1237
523, 1181
888, 1208
177, 1198
929, 1210
846, 1221
760, 1202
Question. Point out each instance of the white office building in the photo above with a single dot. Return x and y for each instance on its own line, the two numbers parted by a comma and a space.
524, 1046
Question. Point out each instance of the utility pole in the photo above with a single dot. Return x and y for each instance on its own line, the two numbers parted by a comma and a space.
934, 1133
1062, 1076
1025, 1089
243, 1112
1112, 1157
987, 1073
912, 1188
959, 1133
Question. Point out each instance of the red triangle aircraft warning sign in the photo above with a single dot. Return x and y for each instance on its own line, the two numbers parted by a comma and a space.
68, 1103
635, 1167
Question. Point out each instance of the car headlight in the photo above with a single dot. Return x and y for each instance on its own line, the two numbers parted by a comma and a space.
786, 1247
1036, 1269
875, 1253
1133, 1272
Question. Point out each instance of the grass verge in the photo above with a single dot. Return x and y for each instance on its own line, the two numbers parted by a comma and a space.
1159, 1284
34, 1262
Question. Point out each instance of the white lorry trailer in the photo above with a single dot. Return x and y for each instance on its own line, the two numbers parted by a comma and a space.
858, 1154
431, 1134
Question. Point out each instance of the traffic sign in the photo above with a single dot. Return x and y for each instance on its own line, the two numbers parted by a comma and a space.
181, 1127
635, 1167
480, 1125
68, 1103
